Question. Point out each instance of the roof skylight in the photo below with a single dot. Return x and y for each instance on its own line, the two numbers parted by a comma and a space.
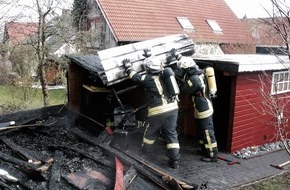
215, 26
185, 23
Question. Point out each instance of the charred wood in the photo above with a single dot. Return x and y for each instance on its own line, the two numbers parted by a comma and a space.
128, 160
4, 185
29, 169
24, 153
55, 174
17, 162
24, 185
129, 176
20, 126
99, 160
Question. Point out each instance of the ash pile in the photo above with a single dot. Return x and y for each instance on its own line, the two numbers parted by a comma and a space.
44, 150
55, 148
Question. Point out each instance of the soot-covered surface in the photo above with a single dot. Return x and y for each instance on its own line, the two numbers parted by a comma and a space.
50, 156
60, 150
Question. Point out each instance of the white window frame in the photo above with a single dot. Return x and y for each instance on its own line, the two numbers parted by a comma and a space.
215, 26
280, 82
185, 23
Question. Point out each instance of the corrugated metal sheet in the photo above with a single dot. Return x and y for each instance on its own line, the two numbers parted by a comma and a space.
249, 62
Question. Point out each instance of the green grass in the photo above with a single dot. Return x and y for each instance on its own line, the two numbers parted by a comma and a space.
23, 98
279, 182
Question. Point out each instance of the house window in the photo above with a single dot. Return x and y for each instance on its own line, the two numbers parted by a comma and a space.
280, 82
185, 23
215, 26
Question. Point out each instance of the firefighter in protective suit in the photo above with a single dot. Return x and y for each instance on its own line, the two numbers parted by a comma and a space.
195, 83
162, 112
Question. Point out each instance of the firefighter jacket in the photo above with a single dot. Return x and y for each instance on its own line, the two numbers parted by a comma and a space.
151, 81
196, 84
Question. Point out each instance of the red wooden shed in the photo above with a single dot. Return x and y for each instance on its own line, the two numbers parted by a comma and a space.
241, 118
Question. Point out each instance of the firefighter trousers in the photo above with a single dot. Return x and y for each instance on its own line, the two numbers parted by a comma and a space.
167, 122
206, 137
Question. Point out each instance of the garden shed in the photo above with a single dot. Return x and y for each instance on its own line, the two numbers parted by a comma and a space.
97, 88
241, 117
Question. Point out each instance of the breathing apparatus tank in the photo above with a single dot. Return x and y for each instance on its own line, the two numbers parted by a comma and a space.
209, 72
169, 83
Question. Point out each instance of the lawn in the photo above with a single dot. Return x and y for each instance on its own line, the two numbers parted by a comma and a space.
15, 98
279, 182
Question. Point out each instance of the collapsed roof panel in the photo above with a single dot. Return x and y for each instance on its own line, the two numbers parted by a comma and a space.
111, 59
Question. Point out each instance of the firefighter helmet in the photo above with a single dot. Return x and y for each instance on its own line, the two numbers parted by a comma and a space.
153, 64
186, 62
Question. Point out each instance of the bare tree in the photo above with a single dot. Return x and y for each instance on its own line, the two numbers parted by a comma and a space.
274, 102
45, 14
275, 105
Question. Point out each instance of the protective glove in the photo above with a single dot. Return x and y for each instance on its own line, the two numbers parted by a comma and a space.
147, 53
144, 66
174, 54
127, 63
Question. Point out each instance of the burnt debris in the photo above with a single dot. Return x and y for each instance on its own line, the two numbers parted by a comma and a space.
55, 148
45, 156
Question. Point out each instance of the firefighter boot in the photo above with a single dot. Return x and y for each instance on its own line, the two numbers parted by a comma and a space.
212, 158
209, 159
174, 156
173, 164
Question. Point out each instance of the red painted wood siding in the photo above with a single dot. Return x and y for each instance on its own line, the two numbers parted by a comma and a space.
250, 126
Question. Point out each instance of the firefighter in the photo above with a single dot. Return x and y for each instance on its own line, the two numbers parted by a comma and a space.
195, 83
162, 111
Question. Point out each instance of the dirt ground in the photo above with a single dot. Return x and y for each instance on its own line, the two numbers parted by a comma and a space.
279, 182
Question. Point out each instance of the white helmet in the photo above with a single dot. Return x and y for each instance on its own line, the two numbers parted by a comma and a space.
185, 62
153, 64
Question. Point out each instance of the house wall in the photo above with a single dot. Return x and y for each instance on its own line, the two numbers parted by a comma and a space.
103, 37
238, 48
251, 125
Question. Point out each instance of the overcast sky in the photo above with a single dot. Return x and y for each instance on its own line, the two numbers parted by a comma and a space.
25, 10
251, 8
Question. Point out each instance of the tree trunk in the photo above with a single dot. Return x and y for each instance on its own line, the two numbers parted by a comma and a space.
41, 53
44, 87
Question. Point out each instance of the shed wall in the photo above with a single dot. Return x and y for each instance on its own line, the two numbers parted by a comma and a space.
251, 127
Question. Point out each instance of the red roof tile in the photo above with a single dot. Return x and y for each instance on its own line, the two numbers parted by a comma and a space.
138, 20
19, 31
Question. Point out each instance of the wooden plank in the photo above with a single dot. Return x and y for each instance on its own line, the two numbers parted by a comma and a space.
111, 59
